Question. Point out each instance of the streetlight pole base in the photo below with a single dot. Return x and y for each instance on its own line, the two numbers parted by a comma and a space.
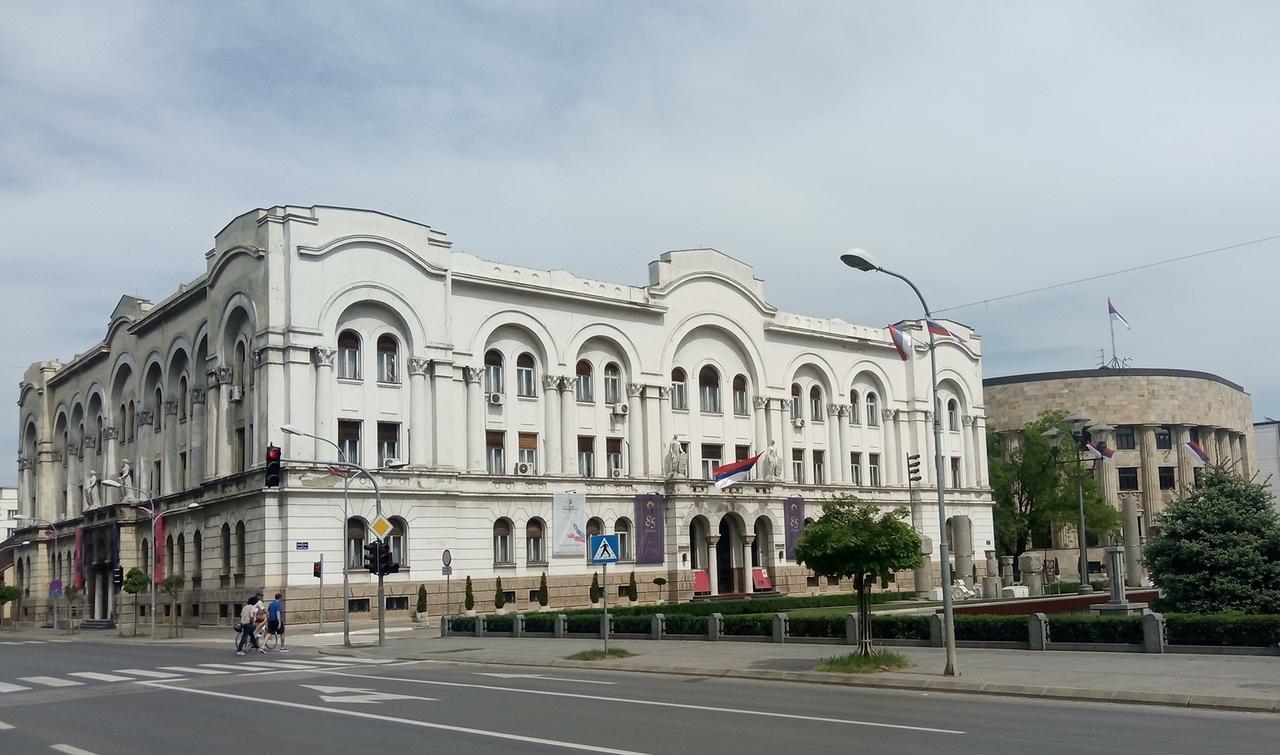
1084, 589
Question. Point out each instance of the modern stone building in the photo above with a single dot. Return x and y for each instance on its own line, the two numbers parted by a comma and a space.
1266, 441
532, 407
1155, 413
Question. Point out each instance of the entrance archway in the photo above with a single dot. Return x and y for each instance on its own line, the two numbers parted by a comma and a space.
731, 575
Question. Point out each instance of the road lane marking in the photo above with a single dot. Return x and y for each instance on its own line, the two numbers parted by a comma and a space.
324, 663
5, 727
359, 694
70, 750
392, 719
147, 673
50, 681
99, 677
191, 670
370, 661
231, 666
543, 678
289, 665
12, 687
655, 703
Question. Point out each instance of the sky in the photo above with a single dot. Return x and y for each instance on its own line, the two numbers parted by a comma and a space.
980, 148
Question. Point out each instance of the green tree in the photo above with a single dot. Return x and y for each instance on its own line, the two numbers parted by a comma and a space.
862, 543
544, 597
172, 586
136, 581
1218, 548
499, 600
469, 597
421, 607
632, 591
8, 594
595, 587
1034, 492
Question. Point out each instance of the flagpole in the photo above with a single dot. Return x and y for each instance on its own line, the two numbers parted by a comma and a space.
1115, 360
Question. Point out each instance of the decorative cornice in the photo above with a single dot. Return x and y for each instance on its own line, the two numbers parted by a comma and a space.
170, 406
634, 390
196, 395
664, 393
223, 375
144, 417
324, 357
550, 382
418, 366
109, 432
472, 374
759, 402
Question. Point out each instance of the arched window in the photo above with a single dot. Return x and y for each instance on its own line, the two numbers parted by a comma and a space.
502, 542
182, 399
157, 423
622, 528
953, 415
349, 355
226, 550
533, 534
240, 374
397, 540
146, 557
99, 426
493, 371
740, 395
815, 404
595, 526
198, 555
168, 556
181, 556
612, 384
679, 390
356, 535
854, 411
796, 402
709, 390
873, 410
241, 559
388, 359
584, 390
526, 380
131, 425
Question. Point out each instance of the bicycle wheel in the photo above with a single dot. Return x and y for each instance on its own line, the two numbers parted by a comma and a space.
270, 640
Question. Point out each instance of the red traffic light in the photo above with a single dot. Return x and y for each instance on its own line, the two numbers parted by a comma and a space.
273, 453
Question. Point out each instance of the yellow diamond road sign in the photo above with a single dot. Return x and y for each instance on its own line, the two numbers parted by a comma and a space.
381, 527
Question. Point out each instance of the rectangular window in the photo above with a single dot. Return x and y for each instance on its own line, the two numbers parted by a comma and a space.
797, 464
855, 468
182, 470
1125, 440
349, 363
739, 402
528, 451
494, 451
710, 398
1167, 479
525, 384
679, 397
241, 450
388, 442
387, 367
955, 472
349, 439
1164, 438
796, 411
741, 452
873, 469
1127, 478
711, 456
586, 455
819, 468
1195, 435
583, 391
815, 410
493, 378
397, 602
612, 388
613, 454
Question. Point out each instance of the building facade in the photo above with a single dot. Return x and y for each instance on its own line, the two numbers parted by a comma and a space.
1266, 440
1155, 414
510, 393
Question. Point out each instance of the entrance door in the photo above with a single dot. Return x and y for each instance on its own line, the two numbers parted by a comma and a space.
724, 559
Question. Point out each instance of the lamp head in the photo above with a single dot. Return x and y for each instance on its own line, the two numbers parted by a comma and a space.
1054, 436
22, 517
394, 464
291, 430
859, 259
1101, 429
111, 483
1077, 421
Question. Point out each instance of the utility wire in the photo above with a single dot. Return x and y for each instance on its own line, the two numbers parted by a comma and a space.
1135, 268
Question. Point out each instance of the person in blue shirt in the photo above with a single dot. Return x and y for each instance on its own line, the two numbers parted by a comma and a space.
275, 620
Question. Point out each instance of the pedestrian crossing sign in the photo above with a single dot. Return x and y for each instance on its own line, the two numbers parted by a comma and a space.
604, 549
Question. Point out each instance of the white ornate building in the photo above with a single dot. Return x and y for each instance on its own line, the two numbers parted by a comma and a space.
501, 387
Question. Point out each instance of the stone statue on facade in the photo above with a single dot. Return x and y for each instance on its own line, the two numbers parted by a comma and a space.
126, 480
91, 489
772, 463
676, 462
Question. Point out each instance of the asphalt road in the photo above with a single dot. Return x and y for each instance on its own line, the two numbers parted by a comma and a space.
107, 698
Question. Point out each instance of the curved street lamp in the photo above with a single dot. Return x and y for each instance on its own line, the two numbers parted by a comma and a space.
1082, 433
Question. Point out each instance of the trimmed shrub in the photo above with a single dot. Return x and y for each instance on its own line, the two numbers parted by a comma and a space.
756, 605
543, 595
987, 628
632, 591
630, 624
678, 624
742, 626
1223, 629
583, 623
469, 597
499, 600
817, 626
908, 627
463, 624
1078, 628
499, 624
540, 622
594, 593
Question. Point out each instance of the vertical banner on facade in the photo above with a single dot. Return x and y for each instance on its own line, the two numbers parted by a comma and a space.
651, 511
794, 508
79, 558
569, 512
157, 551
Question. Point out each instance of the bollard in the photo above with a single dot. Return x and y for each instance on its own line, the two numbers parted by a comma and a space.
851, 629
517, 625
605, 625
1153, 629
1038, 631
657, 626
445, 621
780, 627
480, 625
715, 624
936, 634
559, 628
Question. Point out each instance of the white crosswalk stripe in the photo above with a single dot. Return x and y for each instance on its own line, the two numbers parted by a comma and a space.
191, 670
231, 666
50, 681
100, 677
4, 687
147, 673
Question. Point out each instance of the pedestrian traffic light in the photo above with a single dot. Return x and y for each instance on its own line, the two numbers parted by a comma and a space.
913, 468
386, 561
371, 557
273, 466
317, 569
117, 576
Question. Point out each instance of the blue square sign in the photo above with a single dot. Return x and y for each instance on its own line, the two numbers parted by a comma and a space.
604, 549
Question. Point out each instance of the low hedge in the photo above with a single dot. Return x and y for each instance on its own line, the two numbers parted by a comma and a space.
630, 624
1080, 628
678, 624
817, 626
903, 627
1223, 629
751, 605
583, 623
462, 624
741, 626
991, 628
499, 624
540, 622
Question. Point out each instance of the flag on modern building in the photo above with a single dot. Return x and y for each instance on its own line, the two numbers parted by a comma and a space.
1115, 313
1099, 451
937, 329
1197, 452
734, 471
901, 341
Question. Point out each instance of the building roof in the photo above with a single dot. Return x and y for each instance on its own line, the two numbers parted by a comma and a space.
1104, 372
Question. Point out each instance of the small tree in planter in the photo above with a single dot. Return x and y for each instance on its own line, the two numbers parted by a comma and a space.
499, 600
420, 610
172, 586
595, 590
136, 581
660, 583
543, 596
469, 599
8, 593
632, 591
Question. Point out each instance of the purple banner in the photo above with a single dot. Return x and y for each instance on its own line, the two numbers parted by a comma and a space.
651, 512
793, 509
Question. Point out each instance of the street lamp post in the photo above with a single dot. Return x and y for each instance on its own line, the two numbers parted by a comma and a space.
56, 555
155, 515
1081, 433
861, 260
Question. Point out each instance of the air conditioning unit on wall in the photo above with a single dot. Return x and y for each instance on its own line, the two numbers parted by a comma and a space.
615, 474
621, 409
798, 422
237, 393
495, 399
524, 468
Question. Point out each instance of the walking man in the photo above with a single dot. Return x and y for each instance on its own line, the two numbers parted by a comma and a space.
275, 621
248, 626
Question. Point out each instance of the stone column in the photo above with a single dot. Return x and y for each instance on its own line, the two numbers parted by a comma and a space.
930, 459
1236, 463
222, 444
1150, 473
1186, 467
841, 454
787, 433
569, 425
635, 431
1030, 565
980, 448
750, 584
760, 442
448, 444
1245, 467
901, 444
833, 444
712, 565
24, 486
475, 419
551, 464
1224, 448
652, 433
664, 424
110, 465
923, 578
991, 580
197, 428
962, 530
73, 480
142, 465
325, 412
891, 458
970, 446
169, 464
1132, 540
1006, 571
419, 432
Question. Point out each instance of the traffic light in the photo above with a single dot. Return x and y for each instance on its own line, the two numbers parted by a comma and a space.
386, 562
117, 576
273, 466
317, 569
913, 468
371, 557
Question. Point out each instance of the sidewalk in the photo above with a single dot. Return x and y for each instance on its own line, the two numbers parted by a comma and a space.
299, 635
1247, 683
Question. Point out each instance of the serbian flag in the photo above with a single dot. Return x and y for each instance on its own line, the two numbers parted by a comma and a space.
937, 329
901, 341
1197, 453
1099, 452
734, 471
1112, 311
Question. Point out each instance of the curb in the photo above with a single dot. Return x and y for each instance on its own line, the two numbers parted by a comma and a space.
962, 686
